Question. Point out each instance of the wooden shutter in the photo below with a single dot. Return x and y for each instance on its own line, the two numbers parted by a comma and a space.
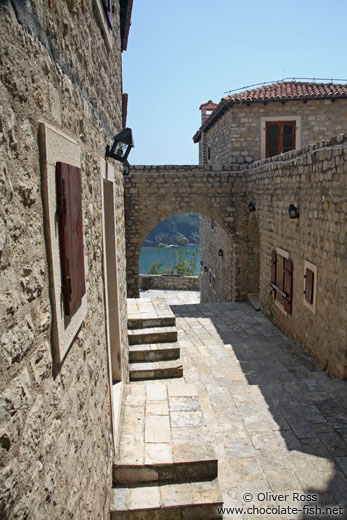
309, 279
69, 206
124, 109
288, 284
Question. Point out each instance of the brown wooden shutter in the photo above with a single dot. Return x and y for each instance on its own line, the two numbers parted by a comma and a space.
69, 205
288, 284
309, 278
124, 109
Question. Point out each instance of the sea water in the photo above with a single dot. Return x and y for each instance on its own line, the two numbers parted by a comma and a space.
166, 256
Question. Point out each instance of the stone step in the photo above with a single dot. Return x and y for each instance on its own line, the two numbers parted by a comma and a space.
155, 370
184, 501
145, 313
193, 471
164, 436
152, 335
143, 323
253, 299
153, 352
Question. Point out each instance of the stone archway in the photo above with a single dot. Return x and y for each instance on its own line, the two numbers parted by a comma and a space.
155, 193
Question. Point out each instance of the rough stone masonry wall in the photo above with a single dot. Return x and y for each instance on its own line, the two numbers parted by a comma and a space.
216, 272
236, 137
154, 193
315, 180
55, 432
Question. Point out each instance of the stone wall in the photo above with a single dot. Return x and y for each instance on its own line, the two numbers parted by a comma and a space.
216, 272
315, 180
155, 193
171, 282
236, 137
55, 423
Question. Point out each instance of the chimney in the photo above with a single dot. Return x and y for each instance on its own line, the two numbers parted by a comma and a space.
206, 110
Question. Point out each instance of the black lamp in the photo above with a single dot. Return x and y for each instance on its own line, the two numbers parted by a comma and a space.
122, 144
220, 252
293, 211
205, 269
251, 207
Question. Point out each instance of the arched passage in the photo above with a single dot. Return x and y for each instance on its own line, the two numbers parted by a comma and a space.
172, 247
155, 193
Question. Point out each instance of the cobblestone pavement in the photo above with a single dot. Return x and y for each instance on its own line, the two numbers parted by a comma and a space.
279, 423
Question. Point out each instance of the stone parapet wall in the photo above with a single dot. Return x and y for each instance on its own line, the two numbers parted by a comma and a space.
56, 438
167, 281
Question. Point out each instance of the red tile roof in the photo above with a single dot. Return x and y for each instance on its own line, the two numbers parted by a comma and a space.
289, 90
280, 91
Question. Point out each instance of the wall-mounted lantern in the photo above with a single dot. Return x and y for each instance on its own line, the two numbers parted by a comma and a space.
120, 149
220, 252
205, 269
293, 211
251, 207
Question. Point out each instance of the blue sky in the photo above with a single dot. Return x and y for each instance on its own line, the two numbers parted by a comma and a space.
181, 53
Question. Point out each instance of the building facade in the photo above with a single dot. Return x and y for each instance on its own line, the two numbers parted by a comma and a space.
294, 260
62, 249
254, 124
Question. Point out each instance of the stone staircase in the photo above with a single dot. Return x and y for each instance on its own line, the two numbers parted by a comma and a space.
166, 466
152, 335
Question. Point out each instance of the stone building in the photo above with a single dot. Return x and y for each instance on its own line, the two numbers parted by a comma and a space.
268, 120
63, 324
294, 260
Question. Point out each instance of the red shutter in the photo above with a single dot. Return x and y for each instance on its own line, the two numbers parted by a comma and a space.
69, 202
309, 278
124, 109
288, 284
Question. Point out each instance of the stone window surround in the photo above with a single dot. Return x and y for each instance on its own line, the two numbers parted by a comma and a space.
103, 22
58, 147
284, 254
264, 120
313, 268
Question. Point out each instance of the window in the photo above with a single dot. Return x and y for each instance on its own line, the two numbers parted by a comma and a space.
68, 309
310, 286
280, 137
107, 4
282, 279
292, 134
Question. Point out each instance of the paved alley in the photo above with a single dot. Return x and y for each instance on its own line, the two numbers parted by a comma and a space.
278, 422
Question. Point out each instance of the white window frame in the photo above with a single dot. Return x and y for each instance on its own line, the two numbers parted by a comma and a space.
284, 254
103, 22
273, 119
313, 268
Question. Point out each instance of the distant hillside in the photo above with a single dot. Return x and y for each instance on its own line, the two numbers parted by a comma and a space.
175, 229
